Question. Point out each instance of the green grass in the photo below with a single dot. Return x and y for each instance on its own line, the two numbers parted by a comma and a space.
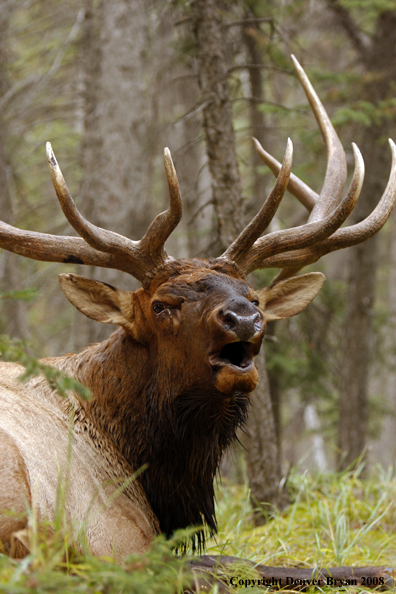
333, 520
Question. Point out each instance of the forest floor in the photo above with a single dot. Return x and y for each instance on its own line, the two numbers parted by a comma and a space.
333, 520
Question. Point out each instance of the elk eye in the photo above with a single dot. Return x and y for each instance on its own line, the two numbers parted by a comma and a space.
256, 302
158, 307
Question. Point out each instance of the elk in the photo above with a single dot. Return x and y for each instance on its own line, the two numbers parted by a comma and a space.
171, 386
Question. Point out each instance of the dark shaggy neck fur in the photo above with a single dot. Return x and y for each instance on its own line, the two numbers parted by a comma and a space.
181, 437
183, 448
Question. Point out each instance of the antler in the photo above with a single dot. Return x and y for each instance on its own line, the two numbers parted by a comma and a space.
297, 247
291, 248
99, 247
144, 256
346, 237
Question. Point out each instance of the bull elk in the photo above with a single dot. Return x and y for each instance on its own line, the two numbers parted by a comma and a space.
171, 385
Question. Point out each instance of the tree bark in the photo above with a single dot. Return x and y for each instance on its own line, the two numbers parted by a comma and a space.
262, 451
261, 442
217, 121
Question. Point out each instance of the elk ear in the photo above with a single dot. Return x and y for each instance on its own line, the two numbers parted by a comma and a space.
287, 298
98, 301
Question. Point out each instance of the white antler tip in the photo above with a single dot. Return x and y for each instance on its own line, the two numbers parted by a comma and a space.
50, 155
356, 151
296, 63
359, 167
393, 149
289, 149
169, 167
288, 158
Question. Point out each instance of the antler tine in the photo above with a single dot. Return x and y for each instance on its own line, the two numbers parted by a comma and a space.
144, 256
346, 237
258, 225
336, 172
311, 233
328, 211
100, 239
336, 168
167, 221
298, 188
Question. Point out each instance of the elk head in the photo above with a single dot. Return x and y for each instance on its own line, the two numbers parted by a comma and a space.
200, 318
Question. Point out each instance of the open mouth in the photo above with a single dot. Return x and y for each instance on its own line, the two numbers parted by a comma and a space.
237, 354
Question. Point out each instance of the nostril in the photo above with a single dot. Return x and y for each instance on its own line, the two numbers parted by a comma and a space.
228, 319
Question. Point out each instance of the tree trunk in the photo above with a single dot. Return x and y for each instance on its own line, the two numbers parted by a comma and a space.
117, 148
217, 121
262, 451
256, 115
13, 312
384, 448
380, 62
263, 440
261, 443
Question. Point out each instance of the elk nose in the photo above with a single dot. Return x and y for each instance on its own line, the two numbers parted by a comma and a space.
244, 326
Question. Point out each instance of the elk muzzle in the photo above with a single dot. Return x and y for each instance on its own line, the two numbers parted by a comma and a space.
237, 329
